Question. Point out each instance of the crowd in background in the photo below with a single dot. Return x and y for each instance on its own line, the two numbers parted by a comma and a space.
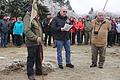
80, 33
81, 29
12, 31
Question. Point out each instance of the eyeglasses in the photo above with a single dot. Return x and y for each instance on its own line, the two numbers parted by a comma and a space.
64, 11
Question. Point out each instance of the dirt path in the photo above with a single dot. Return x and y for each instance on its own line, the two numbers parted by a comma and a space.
81, 58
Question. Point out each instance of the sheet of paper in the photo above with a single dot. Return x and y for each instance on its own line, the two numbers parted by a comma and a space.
67, 27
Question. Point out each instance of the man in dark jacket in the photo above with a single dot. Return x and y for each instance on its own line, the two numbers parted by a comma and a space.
47, 28
62, 37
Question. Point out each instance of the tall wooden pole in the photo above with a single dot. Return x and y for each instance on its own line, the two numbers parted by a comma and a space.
105, 5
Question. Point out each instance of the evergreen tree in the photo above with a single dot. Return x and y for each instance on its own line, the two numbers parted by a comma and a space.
43, 11
68, 4
16, 8
19, 8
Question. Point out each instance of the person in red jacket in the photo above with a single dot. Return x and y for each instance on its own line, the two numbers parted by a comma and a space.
73, 30
79, 28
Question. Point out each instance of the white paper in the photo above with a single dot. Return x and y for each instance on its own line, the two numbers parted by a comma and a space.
67, 27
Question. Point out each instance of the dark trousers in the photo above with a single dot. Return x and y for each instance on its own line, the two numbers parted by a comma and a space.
34, 58
48, 36
54, 42
9, 37
80, 36
18, 40
114, 39
23, 38
72, 38
87, 37
4, 39
110, 39
118, 37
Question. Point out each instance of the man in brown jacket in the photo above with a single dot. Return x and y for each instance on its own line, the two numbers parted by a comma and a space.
100, 28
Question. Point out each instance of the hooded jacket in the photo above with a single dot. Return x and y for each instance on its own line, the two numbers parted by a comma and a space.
18, 28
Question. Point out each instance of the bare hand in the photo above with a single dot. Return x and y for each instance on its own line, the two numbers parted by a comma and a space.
39, 40
62, 29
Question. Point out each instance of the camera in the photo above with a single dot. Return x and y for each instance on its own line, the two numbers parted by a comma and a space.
96, 32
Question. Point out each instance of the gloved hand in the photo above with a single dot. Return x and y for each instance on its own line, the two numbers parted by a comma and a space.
39, 40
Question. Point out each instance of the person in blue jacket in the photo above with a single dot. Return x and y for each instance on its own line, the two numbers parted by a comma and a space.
18, 31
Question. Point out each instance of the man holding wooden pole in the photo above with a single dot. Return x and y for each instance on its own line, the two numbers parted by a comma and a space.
34, 41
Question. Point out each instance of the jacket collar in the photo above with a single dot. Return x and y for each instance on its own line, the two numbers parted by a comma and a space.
61, 16
98, 23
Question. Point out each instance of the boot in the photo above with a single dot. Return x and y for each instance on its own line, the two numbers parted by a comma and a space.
32, 77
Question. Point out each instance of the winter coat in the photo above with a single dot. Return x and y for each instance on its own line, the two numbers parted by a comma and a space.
46, 27
4, 26
58, 23
87, 26
100, 39
73, 29
1, 24
32, 31
80, 25
18, 28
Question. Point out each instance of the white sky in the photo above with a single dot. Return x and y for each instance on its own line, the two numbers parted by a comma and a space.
84, 6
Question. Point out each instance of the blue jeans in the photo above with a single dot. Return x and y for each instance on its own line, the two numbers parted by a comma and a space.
4, 39
60, 45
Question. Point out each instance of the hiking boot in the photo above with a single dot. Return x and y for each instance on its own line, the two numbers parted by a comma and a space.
93, 65
54, 46
45, 44
32, 77
100, 66
60, 66
70, 65
109, 46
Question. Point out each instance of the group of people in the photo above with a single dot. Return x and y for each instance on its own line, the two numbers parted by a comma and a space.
96, 32
82, 30
34, 41
11, 28
99, 33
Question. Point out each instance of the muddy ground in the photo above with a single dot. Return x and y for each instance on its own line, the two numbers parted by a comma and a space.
81, 58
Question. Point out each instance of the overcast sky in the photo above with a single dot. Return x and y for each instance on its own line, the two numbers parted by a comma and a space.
84, 6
